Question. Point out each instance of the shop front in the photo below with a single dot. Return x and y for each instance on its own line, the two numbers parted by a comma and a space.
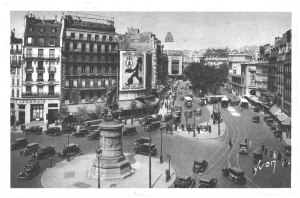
30, 111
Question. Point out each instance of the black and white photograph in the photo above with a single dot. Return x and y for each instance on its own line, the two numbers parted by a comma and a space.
152, 98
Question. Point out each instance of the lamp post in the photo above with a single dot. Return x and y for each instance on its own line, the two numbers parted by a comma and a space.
219, 119
194, 111
161, 155
98, 154
68, 158
186, 119
149, 152
169, 156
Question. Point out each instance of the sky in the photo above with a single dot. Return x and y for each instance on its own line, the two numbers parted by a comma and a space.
190, 30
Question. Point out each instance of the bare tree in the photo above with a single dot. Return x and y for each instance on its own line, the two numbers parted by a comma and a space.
61, 113
82, 114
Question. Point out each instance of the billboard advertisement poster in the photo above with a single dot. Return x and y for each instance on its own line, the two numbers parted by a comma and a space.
132, 71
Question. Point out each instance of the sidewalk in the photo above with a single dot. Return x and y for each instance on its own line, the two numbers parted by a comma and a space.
77, 174
204, 134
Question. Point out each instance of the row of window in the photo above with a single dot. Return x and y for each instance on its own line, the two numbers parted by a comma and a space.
89, 37
40, 53
89, 47
13, 82
287, 94
89, 82
40, 77
74, 70
86, 95
17, 93
42, 30
40, 89
92, 59
40, 41
14, 71
40, 64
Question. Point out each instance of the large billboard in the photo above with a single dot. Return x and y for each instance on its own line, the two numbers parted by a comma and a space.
132, 71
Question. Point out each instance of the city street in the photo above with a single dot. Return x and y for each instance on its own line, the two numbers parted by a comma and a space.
183, 151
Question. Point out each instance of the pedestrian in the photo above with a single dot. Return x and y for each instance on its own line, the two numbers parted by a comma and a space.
125, 121
246, 140
279, 155
271, 153
47, 125
254, 171
266, 151
250, 143
50, 160
230, 142
274, 155
281, 137
263, 147
176, 127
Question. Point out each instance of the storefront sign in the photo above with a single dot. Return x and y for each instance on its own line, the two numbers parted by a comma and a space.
28, 101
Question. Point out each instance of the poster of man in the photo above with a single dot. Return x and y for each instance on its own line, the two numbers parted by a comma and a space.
132, 72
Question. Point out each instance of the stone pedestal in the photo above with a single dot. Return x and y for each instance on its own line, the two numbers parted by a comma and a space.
113, 163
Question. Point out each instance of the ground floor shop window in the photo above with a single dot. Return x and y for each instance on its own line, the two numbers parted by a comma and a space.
37, 111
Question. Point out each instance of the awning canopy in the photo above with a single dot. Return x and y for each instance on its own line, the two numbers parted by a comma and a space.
125, 105
281, 116
287, 121
152, 101
90, 107
275, 110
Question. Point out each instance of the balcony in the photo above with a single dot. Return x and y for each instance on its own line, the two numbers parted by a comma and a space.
281, 57
40, 69
41, 56
94, 39
51, 80
14, 51
40, 95
15, 63
51, 69
28, 69
28, 80
40, 80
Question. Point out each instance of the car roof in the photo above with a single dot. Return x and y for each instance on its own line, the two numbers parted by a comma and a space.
199, 160
32, 144
144, 138
129, 127
54, 128
46, 147
243, 144
20, 139
71, 144
255, 116
236, 169
30, 163
257, 153
148, 144
183, 177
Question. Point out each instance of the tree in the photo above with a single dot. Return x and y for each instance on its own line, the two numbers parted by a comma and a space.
148, 107
61, 113
132, 106
98, 110
82, 114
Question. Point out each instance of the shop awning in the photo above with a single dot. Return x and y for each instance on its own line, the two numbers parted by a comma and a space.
125, 105
152, 101
287, 121
281, 116
275, 110
90, 107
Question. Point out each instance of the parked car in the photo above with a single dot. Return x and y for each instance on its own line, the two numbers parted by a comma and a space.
234, 174
129, 130
184, 182
199, 165
30, 170
277, 133
154, 126
93, 128
72, 149
68, 130
30, 149
257, 155
256, 109
255, 119
273, 127
54, 131
80, 133
147, 119
179, 109
43, 152
269, 121
243, 148
93, 135
141, 140
267, 117
35, 130
18, 143
287, 149
231, 103
207, 183
167, 117
144, 149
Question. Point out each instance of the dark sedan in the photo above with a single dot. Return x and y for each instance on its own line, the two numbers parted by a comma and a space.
184, 182
34, 130
44, 152
53, 131
30, 170
18, 143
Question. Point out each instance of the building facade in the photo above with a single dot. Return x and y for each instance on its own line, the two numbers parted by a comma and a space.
41, 70
287, 80
90, 60
175, 63
216, 57
15, 76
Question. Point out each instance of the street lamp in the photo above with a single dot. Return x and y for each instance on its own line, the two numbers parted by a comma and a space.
194, 111
161, 155
186, 119
169, 171
68, 158
98, 154
149, 126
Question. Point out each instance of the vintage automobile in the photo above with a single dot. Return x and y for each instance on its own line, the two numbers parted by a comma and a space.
257, 155
256, 109
18, 143
167, 117
184, 182
179, 92
147, 120
231, 103
277, 133
179, 109
141, 140
199, 165
273, 127
80, 133
43, 152
176, 119
143, 119
30, 149
207, 182
269, 121
30, 170
144, 149
93, 135
243, 148
93, 128
154, 126
267, 117
53, 131
287, 149
234, 174
34, 130
72, 149
68, 130
129, 130
198, 112
255, 119
182, 98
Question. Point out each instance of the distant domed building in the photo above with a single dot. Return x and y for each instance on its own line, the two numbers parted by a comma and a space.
169, 37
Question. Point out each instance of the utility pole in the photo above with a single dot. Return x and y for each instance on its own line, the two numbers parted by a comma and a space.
219, 119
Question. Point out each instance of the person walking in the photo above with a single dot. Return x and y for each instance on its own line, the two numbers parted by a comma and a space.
263, 147
50, 161
271, 153
279, 155
246, 140
274, 155
266, 151
250, 143
254, 171
230, 142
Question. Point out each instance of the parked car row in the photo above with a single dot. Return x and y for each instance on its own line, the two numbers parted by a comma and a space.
190, 182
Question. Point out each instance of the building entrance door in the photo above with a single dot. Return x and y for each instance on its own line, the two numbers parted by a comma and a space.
51, 117
22, 117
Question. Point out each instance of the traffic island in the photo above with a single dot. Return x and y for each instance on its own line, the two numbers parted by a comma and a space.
78, 173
